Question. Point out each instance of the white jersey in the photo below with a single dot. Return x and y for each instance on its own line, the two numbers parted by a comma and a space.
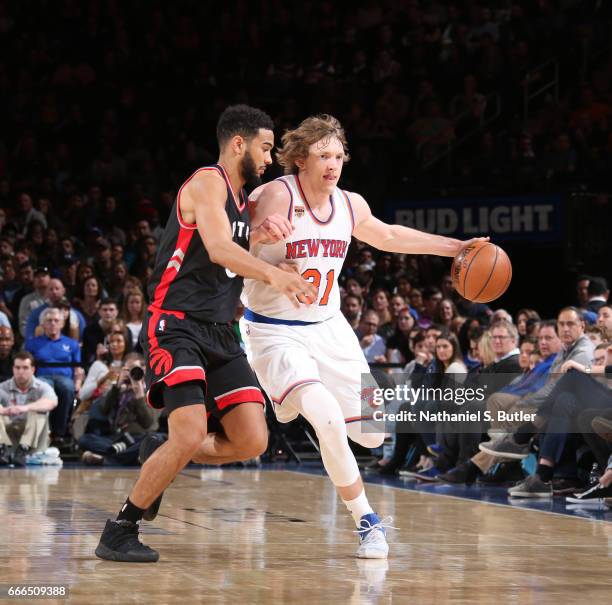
317, 247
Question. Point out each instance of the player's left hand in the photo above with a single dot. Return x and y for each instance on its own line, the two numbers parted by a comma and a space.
274, 228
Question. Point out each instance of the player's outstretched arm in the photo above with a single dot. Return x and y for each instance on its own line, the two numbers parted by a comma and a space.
205, 197
397, 238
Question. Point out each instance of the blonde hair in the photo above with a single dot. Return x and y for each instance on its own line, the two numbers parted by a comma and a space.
296, 142
485, 349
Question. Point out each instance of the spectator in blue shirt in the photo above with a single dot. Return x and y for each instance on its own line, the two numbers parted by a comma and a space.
57, 359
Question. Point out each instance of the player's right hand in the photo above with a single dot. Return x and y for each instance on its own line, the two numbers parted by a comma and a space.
286, 278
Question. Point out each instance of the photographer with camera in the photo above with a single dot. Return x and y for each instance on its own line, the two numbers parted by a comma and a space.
119, 419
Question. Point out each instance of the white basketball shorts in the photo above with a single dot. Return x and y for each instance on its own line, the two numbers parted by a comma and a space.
288, 357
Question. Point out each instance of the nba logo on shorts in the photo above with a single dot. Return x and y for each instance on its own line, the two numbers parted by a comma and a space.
162, 325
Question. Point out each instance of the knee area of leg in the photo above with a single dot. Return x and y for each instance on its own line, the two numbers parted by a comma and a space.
257, 444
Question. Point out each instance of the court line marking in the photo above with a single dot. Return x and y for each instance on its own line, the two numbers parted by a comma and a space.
414, 491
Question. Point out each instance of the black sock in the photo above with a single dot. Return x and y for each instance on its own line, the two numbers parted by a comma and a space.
545, 472
524, 433
130, 513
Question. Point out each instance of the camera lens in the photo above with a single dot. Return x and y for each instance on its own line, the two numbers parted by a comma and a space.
136, 373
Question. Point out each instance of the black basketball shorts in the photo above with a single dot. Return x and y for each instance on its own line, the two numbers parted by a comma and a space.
179, 349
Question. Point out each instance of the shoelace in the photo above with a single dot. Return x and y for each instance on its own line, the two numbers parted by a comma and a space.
130, 537
384, 523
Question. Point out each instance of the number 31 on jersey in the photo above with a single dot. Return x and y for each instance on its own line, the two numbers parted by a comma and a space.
314, 277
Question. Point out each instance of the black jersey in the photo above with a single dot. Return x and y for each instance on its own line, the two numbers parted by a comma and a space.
184, 278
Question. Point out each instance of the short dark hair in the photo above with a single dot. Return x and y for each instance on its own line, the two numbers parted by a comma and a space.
109, 301
549, 323
25, 355
575, 310
431, 291
598, 286
241, 120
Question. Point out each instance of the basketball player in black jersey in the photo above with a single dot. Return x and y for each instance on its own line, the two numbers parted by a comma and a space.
195, 366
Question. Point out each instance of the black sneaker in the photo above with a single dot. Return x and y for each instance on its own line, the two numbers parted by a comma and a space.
462, 473
147, 446
119, 542
19, 456
595, 492
503, 474
4, 457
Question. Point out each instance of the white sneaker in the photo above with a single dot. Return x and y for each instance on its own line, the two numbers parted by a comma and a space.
372, 537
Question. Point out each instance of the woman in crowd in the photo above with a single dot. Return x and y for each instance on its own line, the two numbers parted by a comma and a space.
132, 313
88, 299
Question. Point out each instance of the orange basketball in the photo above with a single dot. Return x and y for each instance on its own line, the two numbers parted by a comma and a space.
481, 272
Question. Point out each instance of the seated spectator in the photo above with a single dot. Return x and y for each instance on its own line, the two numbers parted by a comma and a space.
446, 314
416, 302
25, 403
132, 313
597, 334
120, 419
371, 342
120, 274
396, 304
381, 303
25, 280
55, 293
528, 346
104, 372
398, 344
87, 299
576, 397
598, 293
9, 285
7, 353
57, 359
351, 309
577, 348
471, 357
71, 324
504, 342
95, 333
35, 299
604, 318
500, 315
523, 318
432, 297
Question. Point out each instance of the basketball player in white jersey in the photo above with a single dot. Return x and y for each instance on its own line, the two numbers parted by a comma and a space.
308, 359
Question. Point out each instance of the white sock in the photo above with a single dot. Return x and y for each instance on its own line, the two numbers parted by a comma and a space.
359, 507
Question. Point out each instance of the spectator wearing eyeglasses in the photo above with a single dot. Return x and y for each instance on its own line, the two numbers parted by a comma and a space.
578, 348
372, 344
510, 399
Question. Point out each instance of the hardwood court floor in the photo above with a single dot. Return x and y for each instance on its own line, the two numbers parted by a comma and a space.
275, 537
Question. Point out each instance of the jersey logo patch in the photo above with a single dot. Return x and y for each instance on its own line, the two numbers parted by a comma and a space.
162, 325
299, 211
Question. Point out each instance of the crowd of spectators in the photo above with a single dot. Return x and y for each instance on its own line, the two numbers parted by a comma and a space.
109, 106
541, 370
122, 98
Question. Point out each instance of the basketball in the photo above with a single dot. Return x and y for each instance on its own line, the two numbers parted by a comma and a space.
481, 272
